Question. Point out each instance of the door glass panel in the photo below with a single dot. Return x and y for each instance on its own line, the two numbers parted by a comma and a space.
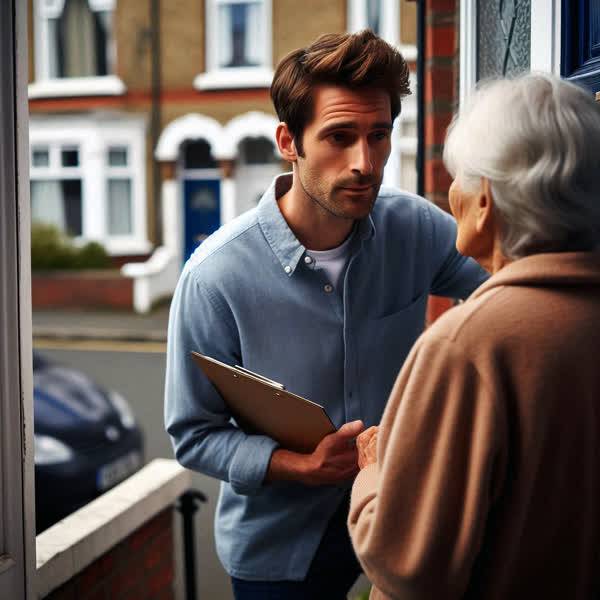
503, 47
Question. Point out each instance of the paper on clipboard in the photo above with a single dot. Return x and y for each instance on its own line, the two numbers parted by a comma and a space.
263, 406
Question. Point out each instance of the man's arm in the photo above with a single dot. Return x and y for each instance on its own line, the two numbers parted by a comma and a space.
198, 420
333, 461
454, 275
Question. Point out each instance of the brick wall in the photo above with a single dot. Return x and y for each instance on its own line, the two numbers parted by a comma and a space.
441, 99
141, 567
83, 289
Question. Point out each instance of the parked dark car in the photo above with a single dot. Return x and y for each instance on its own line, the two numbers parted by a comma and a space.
86, 440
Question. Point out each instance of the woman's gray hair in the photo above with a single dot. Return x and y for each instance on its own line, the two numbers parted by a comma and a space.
536, 138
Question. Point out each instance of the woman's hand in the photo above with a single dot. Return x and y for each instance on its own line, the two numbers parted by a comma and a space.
366, 443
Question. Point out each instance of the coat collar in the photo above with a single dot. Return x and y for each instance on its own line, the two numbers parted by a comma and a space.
550, 269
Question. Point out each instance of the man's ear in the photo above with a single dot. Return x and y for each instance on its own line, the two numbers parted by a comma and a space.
485, 206
285, 143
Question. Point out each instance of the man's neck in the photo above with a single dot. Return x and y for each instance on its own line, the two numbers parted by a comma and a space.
315, 227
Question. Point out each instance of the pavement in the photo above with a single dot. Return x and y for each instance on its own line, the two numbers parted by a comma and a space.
73, 324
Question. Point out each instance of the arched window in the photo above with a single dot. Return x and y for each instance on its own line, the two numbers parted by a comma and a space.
257, 151
197, 154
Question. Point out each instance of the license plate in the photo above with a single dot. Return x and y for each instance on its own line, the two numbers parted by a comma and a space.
114, 472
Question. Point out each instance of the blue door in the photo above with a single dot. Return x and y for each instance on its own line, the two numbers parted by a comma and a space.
580, 21
201, 211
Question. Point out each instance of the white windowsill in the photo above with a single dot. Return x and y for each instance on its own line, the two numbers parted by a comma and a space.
126, 246
108, 85
234, 78
66, 548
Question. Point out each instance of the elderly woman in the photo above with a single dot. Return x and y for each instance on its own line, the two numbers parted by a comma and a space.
483, 480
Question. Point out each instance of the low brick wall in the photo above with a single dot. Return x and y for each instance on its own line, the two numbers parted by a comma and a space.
81, 289
141, 567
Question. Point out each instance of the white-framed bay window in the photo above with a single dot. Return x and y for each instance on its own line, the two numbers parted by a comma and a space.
74, 48
238, 44
88, 179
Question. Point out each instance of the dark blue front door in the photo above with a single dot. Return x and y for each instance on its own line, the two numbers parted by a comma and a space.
580, 21
202, 211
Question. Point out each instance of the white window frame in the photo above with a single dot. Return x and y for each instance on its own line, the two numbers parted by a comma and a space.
17, 492
356, 16
45, 86
217, 77
545, 41
94, 135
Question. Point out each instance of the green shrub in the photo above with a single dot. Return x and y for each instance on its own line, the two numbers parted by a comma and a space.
52, 250
92, 256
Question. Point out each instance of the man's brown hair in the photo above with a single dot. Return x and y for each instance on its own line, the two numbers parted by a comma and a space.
357, 60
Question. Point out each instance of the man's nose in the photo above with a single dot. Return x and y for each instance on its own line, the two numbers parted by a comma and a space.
362, 163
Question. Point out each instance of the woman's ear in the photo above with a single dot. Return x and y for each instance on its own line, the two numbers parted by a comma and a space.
285, 143
485, 207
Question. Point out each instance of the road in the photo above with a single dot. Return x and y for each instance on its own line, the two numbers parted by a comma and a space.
139, 375
137, 370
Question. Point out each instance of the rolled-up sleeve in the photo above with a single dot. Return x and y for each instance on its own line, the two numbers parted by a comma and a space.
197, 419
417, 517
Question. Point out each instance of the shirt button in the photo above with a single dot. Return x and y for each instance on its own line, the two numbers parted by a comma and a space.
308, 260
328, 288
288, 269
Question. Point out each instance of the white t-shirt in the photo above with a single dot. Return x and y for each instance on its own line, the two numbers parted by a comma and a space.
333, 261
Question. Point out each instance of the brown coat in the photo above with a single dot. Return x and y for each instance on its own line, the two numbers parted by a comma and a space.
488, 476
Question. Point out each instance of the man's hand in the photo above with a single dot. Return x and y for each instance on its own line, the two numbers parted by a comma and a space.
366, 444
333, 461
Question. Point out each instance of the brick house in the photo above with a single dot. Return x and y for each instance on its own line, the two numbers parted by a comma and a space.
151, 122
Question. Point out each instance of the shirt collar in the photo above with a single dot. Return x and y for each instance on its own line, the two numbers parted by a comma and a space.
281, 238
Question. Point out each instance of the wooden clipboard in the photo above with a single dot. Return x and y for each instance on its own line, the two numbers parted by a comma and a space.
263, 406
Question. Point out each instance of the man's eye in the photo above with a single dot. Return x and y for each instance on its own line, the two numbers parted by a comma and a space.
339, 137
382, 135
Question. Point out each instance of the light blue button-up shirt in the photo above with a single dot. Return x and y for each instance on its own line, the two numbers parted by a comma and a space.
248, 297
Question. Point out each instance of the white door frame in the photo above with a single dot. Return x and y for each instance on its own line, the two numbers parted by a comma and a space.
17, 494
545, 41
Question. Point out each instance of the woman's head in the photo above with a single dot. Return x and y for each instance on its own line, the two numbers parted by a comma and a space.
534, 143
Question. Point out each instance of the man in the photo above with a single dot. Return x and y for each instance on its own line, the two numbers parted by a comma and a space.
322, 287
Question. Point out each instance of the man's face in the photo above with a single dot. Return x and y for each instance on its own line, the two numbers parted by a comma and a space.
346, 146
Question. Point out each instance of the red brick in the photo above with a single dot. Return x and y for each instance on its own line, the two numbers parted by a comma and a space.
165, 594
437, 179
160, 548
152, 528
161, 578
444, 6
440, 41
98, 594
439, 84
435, 128
436, 307
54, 290
125, 579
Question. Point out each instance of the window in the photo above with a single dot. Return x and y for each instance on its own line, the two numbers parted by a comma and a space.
118, 188
75, 38
88, 179
56, 192
504, 38
74, 49
238, 44
382, 16
240, 34
257, 151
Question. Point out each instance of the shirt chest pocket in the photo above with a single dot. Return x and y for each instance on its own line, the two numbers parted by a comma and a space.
385, 343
